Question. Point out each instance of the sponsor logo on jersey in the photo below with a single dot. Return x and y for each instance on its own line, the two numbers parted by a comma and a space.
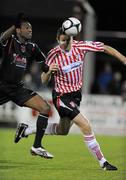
23, 48
72, 66
72, 104
19, 61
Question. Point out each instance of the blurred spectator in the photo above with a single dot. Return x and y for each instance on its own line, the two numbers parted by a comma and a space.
32, 78
115, 85
35, 73
124, 91
100, 85
95, 89
28, 80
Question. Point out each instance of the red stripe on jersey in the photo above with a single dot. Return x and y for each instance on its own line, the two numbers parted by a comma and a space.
90, 45
51, 55
64, 78
80, 70
70, 73
57, 85
93, 48
74, 74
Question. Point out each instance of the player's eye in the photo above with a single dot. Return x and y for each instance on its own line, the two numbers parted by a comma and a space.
29, 28
64, 40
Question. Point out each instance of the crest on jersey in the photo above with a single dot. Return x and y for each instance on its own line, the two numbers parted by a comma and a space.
72, 104
23, 48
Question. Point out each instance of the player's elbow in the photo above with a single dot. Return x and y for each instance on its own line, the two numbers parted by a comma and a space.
108, 50
43, 79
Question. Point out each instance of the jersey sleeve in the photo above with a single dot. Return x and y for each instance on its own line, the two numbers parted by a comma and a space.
40, 57
91, 46
50, 57
38, 54
4, 43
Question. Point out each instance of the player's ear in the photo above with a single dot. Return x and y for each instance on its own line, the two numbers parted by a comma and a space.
17, 30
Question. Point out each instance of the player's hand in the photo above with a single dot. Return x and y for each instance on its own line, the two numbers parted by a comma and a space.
124, 62
53, 68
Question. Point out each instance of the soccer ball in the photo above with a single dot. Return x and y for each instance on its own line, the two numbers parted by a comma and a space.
71, 26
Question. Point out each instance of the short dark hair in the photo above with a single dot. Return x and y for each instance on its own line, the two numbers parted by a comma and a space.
60, 32
21, 18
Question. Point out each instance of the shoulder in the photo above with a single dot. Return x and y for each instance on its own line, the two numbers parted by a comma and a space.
33, 47
54, 51
93, 43
6, 42
32, 44
87, 43
14, 38
78, 43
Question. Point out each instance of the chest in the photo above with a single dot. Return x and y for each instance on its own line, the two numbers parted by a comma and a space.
21, 51
18, 54
69, 61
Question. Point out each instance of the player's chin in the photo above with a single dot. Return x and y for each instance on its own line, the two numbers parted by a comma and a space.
29, 37
63, 46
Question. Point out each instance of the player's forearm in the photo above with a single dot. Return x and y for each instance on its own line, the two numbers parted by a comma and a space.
113, 52
45, 77
5, 35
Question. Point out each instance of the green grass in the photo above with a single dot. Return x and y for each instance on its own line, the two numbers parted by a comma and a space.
72, 159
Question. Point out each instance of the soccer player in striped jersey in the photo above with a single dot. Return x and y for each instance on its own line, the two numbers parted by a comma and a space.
65, 63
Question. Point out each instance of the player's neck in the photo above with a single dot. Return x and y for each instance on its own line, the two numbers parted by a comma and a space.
69, 45
66, 48
21, 39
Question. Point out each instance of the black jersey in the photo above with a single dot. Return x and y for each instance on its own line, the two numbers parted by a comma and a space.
16, 57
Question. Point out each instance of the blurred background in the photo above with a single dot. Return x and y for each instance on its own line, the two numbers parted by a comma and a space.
104, 76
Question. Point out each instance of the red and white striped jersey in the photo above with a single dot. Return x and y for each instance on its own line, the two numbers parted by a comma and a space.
69, 76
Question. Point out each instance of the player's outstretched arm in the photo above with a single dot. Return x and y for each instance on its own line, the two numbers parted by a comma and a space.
115, 53
5, 35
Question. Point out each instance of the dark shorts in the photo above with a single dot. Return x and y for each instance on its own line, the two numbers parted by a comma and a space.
67, 104
16, 93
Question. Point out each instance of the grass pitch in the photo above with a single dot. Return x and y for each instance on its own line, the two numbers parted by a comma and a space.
72, 160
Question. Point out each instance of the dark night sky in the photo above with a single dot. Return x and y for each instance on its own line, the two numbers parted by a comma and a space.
111, 14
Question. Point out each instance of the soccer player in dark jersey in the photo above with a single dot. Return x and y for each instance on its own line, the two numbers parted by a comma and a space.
18, 51
65, 63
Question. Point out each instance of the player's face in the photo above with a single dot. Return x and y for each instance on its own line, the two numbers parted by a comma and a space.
64, 41
25, 31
